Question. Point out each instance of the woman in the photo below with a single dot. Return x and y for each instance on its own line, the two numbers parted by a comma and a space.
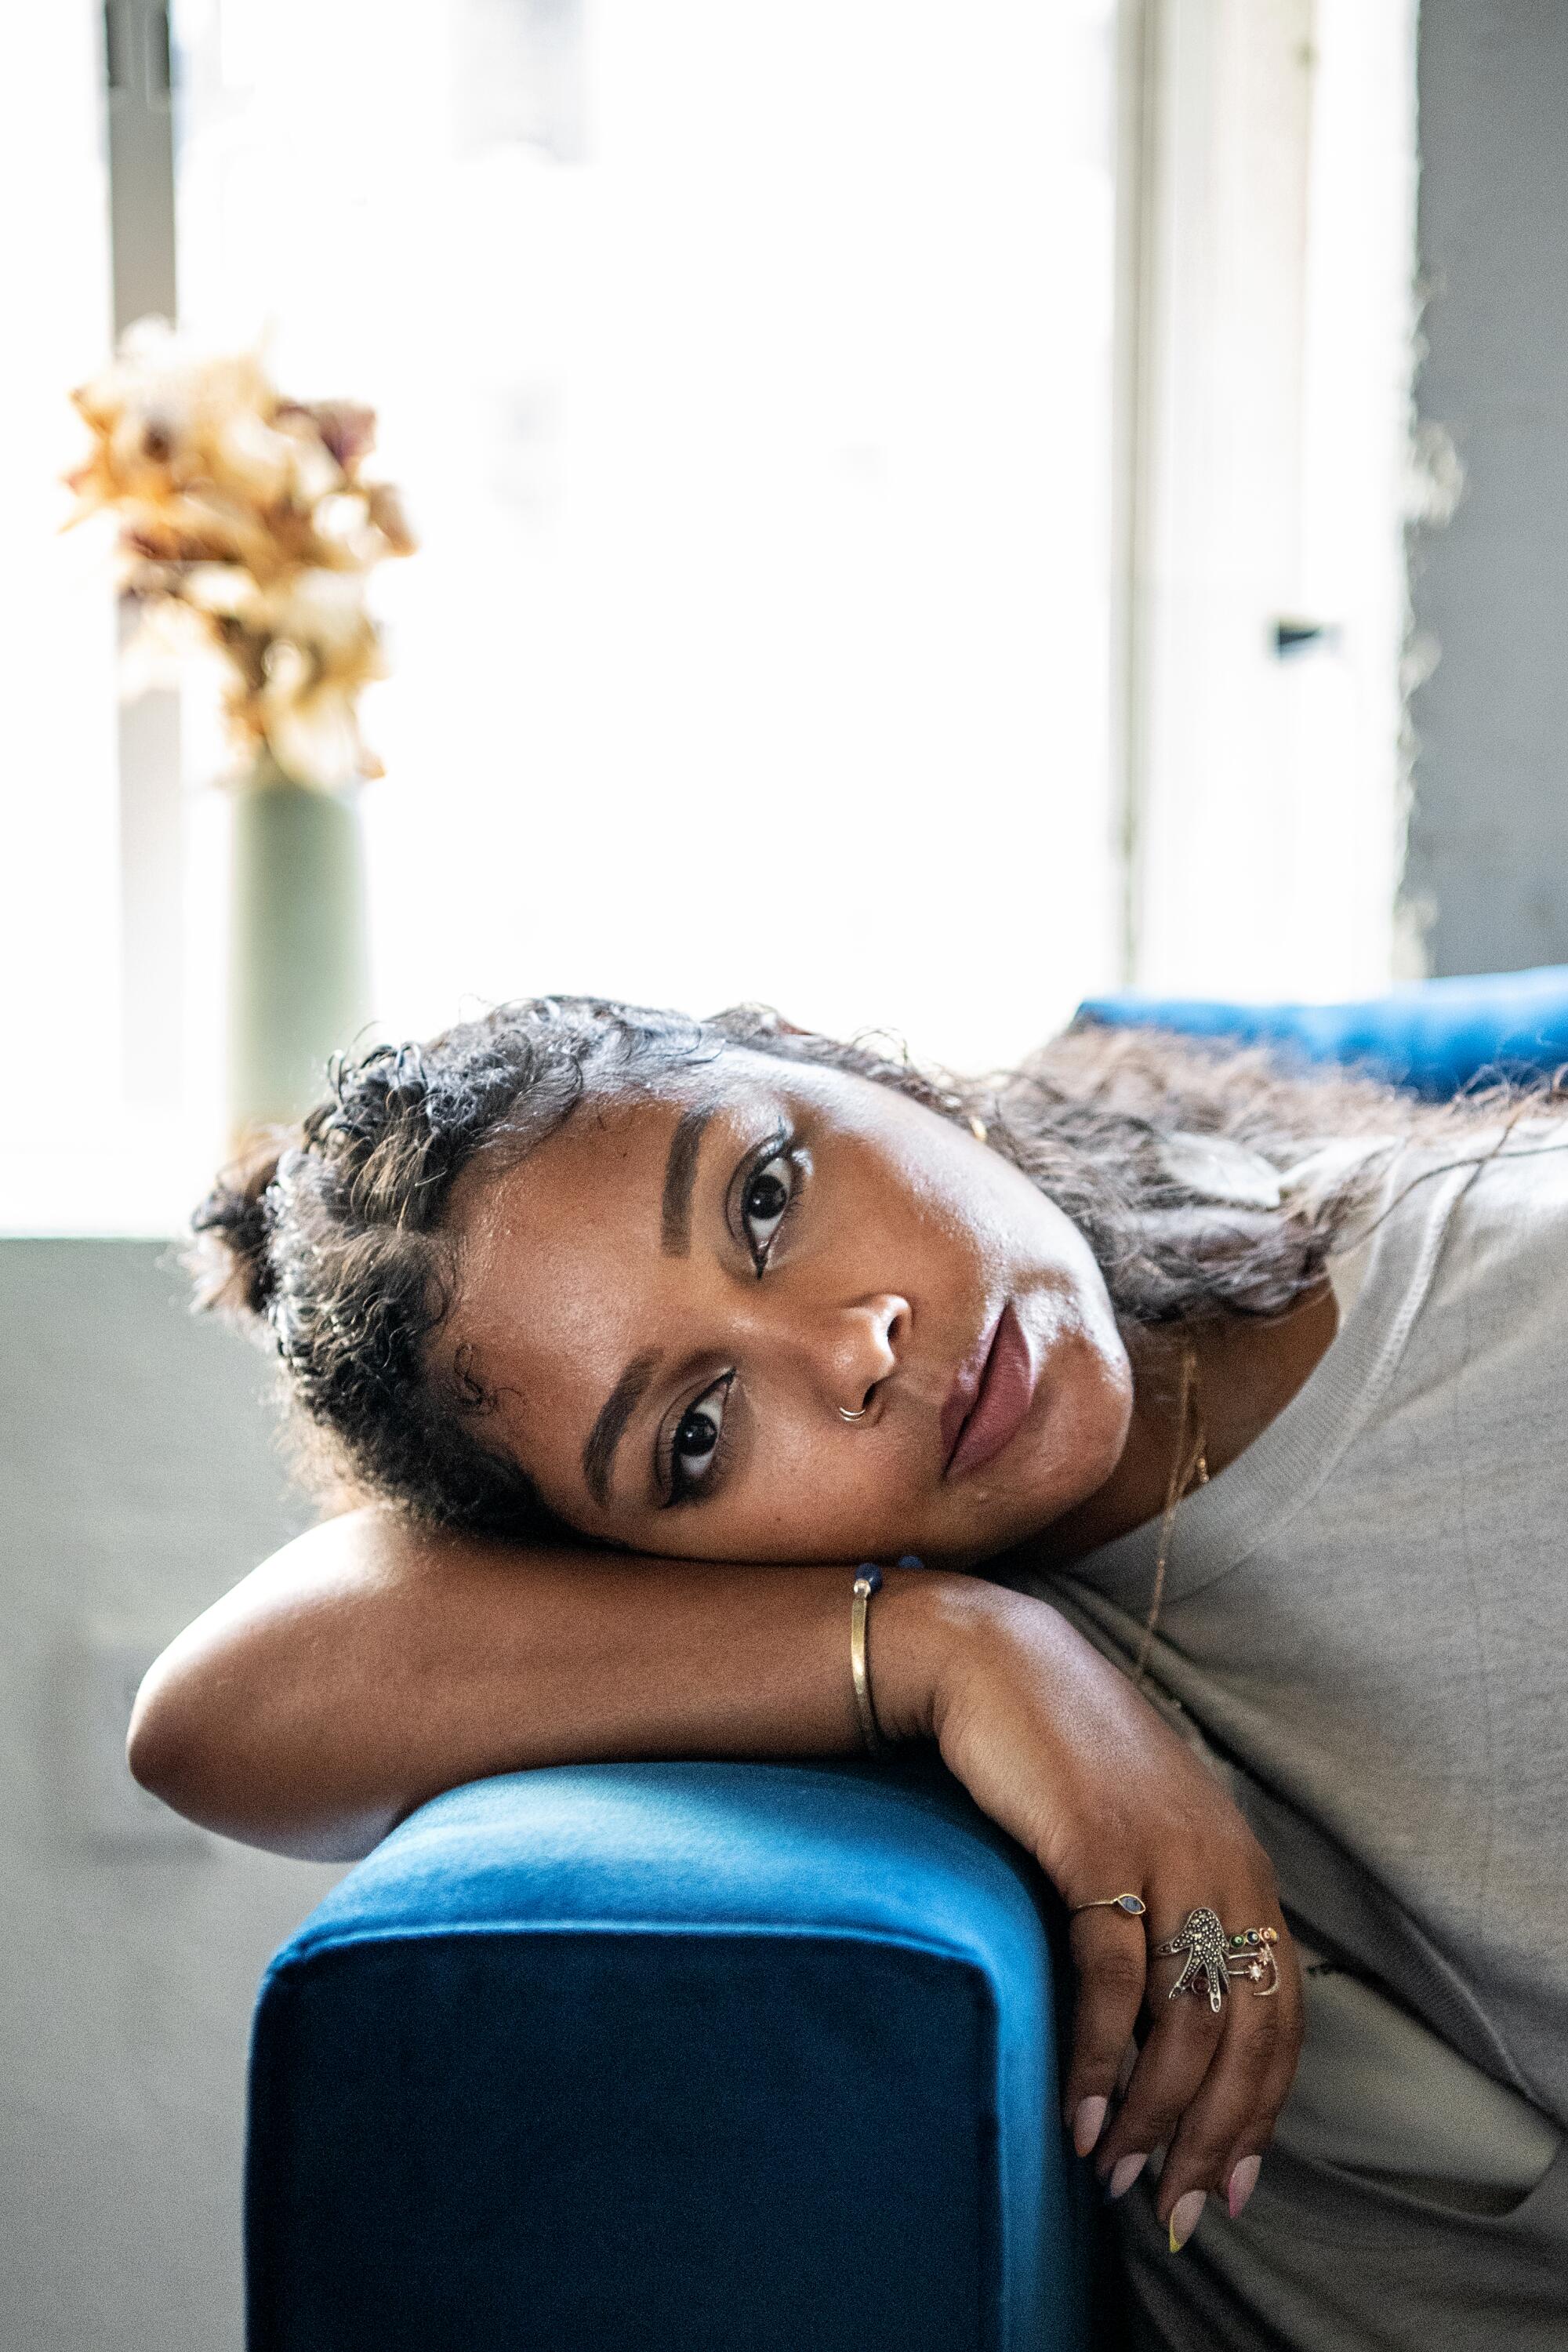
1241, 1390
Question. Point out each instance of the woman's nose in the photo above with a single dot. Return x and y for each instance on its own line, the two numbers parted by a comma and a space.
861, 1348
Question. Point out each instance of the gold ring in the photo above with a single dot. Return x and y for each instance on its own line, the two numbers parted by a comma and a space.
1133, 1905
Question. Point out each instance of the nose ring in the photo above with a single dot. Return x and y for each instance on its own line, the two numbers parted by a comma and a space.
845, 1415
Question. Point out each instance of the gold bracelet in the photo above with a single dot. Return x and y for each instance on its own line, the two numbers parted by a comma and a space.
867, 1579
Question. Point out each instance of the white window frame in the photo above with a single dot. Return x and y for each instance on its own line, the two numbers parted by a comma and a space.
1268, 276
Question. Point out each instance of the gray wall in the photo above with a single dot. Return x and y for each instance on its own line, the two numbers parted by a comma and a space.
1489, 848
138, 1478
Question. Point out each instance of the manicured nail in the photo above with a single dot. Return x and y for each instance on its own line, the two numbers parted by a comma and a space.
1242, 2183
1123, 2173
1088, 2124
1185, 2215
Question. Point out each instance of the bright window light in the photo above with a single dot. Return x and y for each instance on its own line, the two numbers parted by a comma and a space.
747, 373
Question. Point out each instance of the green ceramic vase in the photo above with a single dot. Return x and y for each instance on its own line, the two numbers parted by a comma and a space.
298, 962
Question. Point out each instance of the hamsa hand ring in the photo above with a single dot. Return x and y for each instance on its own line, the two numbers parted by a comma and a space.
1210, 1957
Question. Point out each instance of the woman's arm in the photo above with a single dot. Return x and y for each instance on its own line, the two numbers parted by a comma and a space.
370, 1665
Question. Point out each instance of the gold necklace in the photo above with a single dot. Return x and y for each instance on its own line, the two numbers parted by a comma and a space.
1189, 1464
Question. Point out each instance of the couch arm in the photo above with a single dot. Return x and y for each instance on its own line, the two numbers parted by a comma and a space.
669, 2056
1433, 1036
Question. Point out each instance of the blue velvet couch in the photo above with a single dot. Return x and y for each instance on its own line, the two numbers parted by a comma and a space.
676, 2057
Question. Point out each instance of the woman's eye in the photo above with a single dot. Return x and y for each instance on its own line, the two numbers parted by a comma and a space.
765, 1205
696, 1439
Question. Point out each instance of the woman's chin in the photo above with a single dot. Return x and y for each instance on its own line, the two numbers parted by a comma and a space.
1058, 1462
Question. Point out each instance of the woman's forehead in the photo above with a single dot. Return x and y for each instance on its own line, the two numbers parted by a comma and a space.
601, 1167
608, 1192
627, 1153
612, 1119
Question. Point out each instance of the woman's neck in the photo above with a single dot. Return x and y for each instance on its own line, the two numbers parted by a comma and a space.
1247, 1373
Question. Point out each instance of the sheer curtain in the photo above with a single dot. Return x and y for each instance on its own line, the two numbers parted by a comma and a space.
748, 376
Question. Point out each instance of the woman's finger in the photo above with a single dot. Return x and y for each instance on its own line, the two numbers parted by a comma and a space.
1176, 2055
1244, 2157
1110, 1956
1231, 2110
1211, 2121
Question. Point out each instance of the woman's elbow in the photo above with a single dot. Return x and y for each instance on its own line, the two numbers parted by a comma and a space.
185, 1745
169, 1746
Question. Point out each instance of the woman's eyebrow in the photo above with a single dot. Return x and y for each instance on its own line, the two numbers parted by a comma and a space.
617, 1408
675, 1240
679, 1176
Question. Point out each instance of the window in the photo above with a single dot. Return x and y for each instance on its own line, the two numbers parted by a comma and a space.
911, 503
747, 373
1270, 465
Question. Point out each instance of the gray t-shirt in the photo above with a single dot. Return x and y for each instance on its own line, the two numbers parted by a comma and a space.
1366, 1620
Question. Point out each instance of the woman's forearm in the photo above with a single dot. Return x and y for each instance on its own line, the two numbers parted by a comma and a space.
370, 1665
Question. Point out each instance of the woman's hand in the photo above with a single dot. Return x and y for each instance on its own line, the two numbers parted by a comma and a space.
1058, 1747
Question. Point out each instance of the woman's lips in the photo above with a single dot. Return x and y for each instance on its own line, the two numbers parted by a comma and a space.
988, 1406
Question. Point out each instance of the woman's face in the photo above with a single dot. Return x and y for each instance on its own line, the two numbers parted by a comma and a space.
678, 1299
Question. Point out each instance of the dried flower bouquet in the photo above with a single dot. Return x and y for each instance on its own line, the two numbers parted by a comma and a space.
244, 518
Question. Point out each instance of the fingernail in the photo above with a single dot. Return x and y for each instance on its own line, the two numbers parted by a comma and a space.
1185, 2215
1124, 2173
1088, 2124
1242, 2183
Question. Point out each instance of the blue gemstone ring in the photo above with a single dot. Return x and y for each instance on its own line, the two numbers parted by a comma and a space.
1133, 1905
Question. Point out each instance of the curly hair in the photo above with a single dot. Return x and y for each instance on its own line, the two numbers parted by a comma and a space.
1205, 1182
